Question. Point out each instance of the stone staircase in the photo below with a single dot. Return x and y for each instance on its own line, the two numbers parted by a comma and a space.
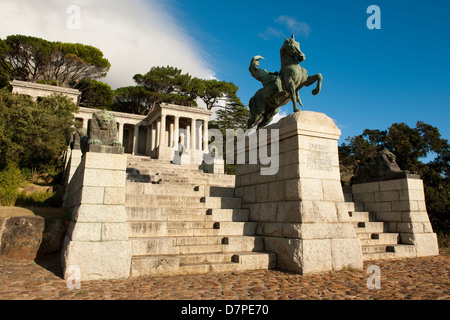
376, 242
184, 221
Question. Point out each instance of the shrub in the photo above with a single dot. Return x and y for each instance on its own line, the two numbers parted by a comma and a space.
37, 199
11, 178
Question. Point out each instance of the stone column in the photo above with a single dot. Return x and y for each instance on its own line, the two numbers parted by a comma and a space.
176, 133
193, 139
135, 140
162, 132
148, 146
158, 133
188, 137
120, 133
300, 207
171, 138
205, 136
153, 138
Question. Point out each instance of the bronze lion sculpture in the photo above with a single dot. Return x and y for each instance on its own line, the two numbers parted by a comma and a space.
102, 129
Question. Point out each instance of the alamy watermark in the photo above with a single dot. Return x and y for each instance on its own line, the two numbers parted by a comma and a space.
73, 277
374, 281
73, 21
374, 21
244, 147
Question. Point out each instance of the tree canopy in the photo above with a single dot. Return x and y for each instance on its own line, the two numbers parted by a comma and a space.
170, 85
95, 94
37, 60
233, 116
34, 134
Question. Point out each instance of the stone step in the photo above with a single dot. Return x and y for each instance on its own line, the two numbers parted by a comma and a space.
174, 171
354, 206
381, 239
221, 191
137, 214
187, 229
360, 216
400, 250
167, 180
374, 249
240, 262
170, 264
222, 203
188, 189
162, 201
223, 215
188, 269
243, 243
181, 201
185, 241
172, 245
369, 227
171, 229
206, 257
393, 252
164, 189
236, 228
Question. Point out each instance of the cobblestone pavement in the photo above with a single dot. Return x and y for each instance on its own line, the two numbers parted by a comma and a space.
402, 279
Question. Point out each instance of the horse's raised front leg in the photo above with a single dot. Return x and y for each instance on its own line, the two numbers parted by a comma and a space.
311, 80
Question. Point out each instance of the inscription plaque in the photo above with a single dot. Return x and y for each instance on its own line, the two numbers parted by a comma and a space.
318, 158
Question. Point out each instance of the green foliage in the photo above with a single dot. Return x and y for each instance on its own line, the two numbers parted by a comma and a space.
165, 84
410, 146
11, 179
95, 94
211, 91
38, 199
233, 116
170, 85
136, 100
34, 134
38, 60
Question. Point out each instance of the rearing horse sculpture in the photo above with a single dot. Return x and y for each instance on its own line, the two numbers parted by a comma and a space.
280, 88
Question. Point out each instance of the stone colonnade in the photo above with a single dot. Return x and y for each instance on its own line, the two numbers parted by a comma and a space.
160, 134
172, 127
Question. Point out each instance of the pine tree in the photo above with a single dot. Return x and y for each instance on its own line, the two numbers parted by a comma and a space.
233, 116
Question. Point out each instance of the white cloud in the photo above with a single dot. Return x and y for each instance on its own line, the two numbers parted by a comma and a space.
291, 25
134, 35
278, 117
271, 32
294, 26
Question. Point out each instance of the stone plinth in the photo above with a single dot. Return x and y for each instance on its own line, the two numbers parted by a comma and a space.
97, 236
300, 209
401, 205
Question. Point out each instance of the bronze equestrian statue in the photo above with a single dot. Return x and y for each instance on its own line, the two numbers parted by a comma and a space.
280, 88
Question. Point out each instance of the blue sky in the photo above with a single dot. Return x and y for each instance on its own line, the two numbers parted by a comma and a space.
372, 78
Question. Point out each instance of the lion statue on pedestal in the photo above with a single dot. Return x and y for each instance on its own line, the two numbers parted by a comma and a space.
102, 129
385, 168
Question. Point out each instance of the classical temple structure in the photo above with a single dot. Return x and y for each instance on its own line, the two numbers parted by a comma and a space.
160, 135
